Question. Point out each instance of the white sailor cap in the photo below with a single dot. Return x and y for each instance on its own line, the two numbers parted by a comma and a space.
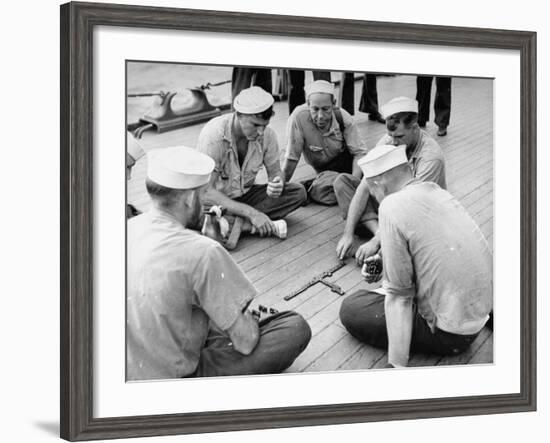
179, 167
319, 86
253, 100
381, 159
133, 148
399, 104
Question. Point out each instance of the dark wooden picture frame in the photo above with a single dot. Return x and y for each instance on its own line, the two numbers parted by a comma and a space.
77, 24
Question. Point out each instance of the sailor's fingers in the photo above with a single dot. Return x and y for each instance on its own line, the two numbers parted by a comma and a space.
343, 247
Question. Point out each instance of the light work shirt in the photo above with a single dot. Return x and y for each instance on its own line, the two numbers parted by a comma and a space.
320, 147
426, 160
216, 140
434, 253
178, 283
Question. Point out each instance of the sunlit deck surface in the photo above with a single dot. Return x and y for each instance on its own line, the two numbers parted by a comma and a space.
278, 267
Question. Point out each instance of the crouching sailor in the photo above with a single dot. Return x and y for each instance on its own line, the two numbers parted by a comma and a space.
187, 299
437, 267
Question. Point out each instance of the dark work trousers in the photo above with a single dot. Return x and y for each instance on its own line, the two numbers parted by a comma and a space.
346, 94
243, 78
297, 95
369, 95
283, 337
321, 189
293, 196
362, 313
442, 105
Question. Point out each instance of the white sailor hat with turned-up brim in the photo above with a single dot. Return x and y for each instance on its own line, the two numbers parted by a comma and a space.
133, 148
319, 86
399, 104
253, 100
381, 159
179, 167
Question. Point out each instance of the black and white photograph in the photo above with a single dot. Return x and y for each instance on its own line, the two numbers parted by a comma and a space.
285, 220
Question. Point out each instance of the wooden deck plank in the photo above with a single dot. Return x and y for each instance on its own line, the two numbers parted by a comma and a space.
335, 356
469, 355
317, 347
484, 354
299, 237
366, 357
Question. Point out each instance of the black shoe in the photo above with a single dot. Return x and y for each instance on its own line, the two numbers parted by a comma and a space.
442, 131
376, 117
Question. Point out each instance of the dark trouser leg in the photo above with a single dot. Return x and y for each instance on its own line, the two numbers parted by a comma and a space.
442, 105
321, 75
242, 78
369, 95
423, 97
346, 95
293, 196
322, 188
282, 338
297, 95
362, 314
345, 186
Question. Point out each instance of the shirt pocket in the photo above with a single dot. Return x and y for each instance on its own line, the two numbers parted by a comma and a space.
317, 155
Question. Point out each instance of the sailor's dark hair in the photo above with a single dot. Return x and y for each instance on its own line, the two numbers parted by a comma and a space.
264, 115
408, 118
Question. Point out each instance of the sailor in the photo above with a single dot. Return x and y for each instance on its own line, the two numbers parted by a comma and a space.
240, 144
425, 158
187, 299
327, 137
134, 152
437, 288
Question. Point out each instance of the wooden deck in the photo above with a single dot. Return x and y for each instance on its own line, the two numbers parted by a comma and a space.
278, 267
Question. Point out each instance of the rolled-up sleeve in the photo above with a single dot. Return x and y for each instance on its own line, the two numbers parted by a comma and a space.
221, 287
431, 170
398, 266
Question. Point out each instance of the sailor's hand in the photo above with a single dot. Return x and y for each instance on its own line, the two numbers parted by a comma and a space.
262, 224
372, 269
366, 250
343, 248
275, 187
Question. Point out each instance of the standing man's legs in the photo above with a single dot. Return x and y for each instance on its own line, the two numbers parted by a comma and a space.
297, 95
369, 98
321, 75
346, 95
242, 78
442, 105
423, 97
